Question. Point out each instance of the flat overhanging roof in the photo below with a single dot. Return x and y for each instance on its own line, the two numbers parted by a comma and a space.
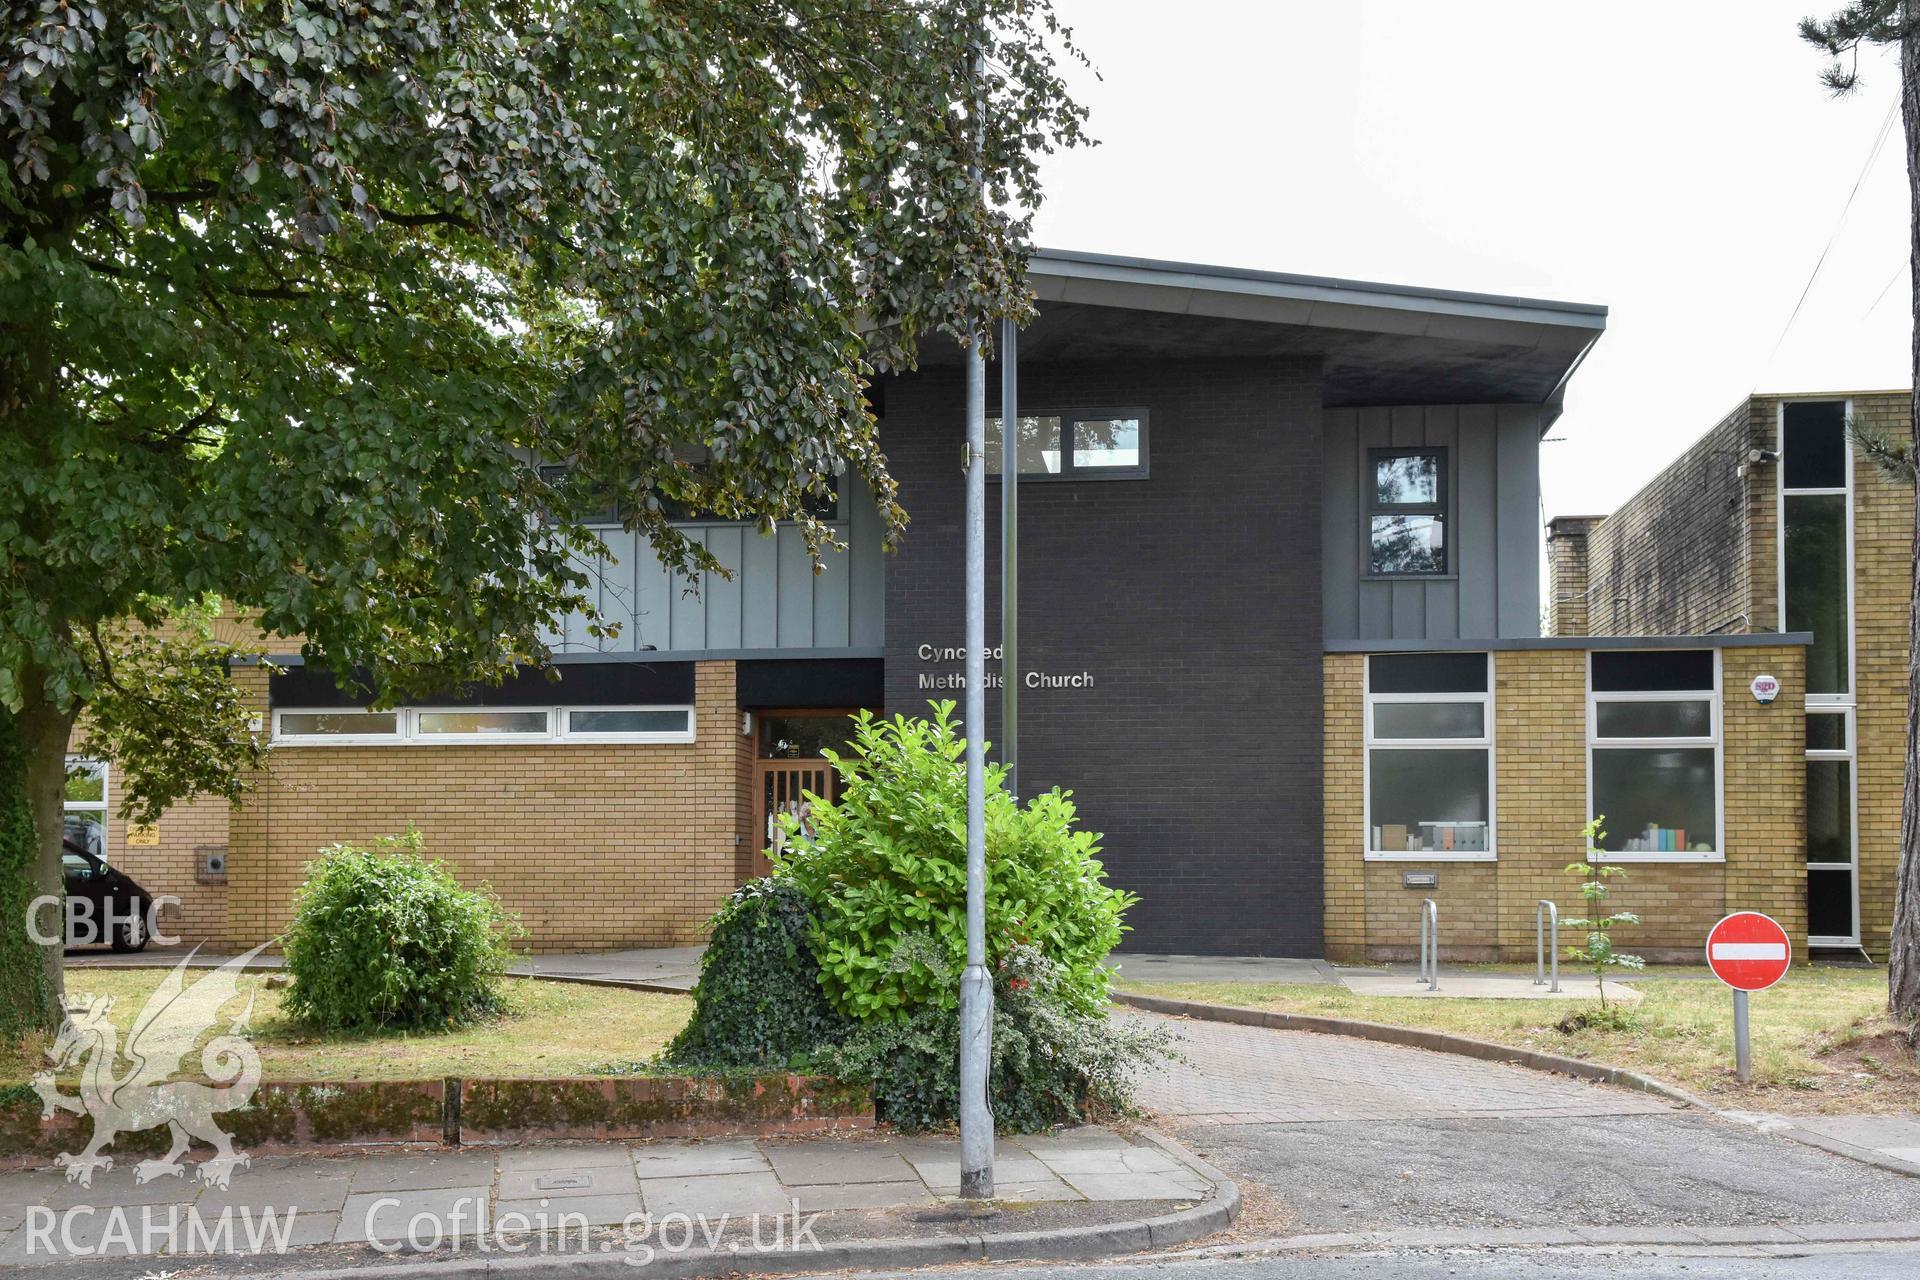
1380, 343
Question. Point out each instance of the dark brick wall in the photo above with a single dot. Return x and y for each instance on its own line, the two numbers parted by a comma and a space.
1192, 599
1676, 558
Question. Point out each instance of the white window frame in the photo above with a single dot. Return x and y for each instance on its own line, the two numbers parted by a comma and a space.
670, 735
104, 806
407, 728
1482, 743
1845, 703
1716, 740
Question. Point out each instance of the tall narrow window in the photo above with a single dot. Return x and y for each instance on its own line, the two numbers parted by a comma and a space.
1653, 741
1407, 511
1816, 595
1429, 742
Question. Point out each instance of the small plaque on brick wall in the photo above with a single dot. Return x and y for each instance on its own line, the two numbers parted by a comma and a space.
1420, 880
210, 863
142, 835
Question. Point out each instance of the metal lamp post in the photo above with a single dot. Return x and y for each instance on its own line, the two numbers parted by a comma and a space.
976, 985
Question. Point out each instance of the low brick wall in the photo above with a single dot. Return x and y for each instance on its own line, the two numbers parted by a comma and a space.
305, 1115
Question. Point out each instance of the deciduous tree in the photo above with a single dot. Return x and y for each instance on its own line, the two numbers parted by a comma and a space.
293, 293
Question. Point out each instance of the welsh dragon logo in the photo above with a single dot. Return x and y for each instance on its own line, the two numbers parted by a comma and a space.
144, 1095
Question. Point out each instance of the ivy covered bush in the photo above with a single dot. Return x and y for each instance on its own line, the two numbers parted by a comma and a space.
385, 939
758, 1001
847, 959
885, 868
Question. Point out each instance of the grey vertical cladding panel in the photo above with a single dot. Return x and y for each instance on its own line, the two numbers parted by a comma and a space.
687, 627
1476, 512
1495, 534
1377, 612
795, 621
867, 590
1340, 522
1409, 608
1192, 600
1518, 554
759, 591
723, 593
652, 603
831, 592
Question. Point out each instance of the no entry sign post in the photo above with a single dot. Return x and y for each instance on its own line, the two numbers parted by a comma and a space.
1749, 952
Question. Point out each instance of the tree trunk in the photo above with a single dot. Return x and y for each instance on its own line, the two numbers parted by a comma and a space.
33, 753
1903, 959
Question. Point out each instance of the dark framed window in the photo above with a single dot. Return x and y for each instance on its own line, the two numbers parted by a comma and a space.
1081, 444
1407, 512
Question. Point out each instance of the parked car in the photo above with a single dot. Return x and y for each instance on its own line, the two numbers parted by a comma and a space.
120, 907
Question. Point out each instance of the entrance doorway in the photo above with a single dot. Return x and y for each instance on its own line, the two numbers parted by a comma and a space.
790, 769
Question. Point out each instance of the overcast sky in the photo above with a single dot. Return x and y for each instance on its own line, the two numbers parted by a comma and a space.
1678, 162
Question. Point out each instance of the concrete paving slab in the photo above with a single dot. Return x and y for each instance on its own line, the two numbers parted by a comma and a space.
306, 1187
1084, 1137
1137, 1186
1910, 1154
384, 1173
568, 1184
1144, 967
117, 1186
388, 1215
301, 1229
572, 1155
1016, 1189
1482, 986
813, 1163
545, 1215
715, 1194
861, 1195
1865, 1131
1109, 1160
698, 1159
944, 1170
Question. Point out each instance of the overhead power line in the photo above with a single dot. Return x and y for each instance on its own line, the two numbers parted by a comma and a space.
1886, 127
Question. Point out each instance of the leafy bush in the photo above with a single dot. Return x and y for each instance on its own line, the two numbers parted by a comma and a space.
384, 939
758, 1001
1053, 1062
885, 865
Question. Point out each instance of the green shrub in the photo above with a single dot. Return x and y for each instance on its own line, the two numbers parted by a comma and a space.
758, 1001
384, 939
885, 864
1053, 1062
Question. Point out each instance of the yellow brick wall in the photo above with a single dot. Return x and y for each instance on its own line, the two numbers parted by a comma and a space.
595, 846
1540, 789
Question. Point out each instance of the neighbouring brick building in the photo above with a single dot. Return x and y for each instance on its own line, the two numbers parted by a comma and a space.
1774, 521
1280, 635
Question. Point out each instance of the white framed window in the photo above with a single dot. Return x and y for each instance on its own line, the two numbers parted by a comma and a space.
1429, 790
83, 805
453, 726
1654, 767
627, 724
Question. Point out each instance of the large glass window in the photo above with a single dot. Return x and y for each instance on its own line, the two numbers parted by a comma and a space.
1089, 444
1407, 511
1653, 735
1429, 743
442, 725
84, 805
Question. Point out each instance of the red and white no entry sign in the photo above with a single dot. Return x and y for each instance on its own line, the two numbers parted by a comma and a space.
1748, 951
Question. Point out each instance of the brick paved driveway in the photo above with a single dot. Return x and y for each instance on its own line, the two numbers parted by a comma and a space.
1255, 1075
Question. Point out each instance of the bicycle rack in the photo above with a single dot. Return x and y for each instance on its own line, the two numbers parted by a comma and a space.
1546, 938
1429, 944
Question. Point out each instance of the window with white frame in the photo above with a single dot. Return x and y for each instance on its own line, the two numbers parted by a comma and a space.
84, 805
1653, 753
1429, 743
294, 726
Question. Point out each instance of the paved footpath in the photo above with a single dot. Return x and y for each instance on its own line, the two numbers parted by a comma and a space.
742, 1188
1352, 1136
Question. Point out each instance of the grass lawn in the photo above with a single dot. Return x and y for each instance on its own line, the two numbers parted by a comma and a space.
1821, 1039
551, 1029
